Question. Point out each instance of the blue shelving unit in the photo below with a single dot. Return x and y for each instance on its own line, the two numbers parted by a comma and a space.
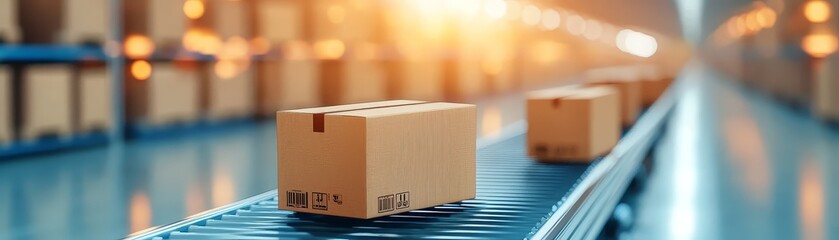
32, 53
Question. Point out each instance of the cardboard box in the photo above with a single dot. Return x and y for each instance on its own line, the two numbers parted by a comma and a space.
166, 22
375, 159
95, 99
280, 21
628, 86
231, 98
652, 88
5, 105
572, 123
172, 94
230, 18
826, 90
86, 21
47, 101
8, 21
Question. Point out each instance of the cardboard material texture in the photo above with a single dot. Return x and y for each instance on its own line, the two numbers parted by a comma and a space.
8, 18
47, 102
230, 19
280, 20
375, 159
628, 86
172, 94
572, 123
5, 105
95, 99
86, 21
231, 98
166, 22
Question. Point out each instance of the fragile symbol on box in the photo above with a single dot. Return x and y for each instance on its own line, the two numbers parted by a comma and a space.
320, 201
337, 198
297, 199
403, 200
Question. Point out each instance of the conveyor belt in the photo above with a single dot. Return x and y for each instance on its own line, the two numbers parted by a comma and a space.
516, 198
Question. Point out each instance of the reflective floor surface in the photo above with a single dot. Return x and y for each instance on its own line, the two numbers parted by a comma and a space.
736, 164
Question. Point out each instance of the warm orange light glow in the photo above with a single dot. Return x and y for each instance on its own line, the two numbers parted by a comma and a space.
235, 48
202, 41
260, 45
329, 49
225, 69
139, 211
811, 200
817, 11
576, 25
531, 15
224, 192
752, 22
593, 30
546, 52
141, 70
819, 44
296, 50
550, 19
766, 17
336, 14
495, 9
194, 9
138, 46
366, 51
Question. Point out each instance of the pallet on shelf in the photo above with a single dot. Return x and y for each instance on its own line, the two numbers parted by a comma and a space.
9, 31
86, 21
6, 132
94, 100
231, 98
47, 101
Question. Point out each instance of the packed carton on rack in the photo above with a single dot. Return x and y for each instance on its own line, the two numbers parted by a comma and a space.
628, 86
280, 21
8, 19
289, 84
86, 21
230, 19
572, 124
231, 97
375, 159
94, 100
826, 90
654, 82
47, 101
166, 22
172, 94
5, 105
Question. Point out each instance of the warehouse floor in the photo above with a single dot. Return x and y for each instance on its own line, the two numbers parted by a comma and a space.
736, 164
733, 164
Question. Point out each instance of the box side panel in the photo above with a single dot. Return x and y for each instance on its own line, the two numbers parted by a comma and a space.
321, 172
420, 160
605, 124
558, 130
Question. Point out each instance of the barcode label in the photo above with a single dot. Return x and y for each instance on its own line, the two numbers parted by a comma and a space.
386, 203
297, 199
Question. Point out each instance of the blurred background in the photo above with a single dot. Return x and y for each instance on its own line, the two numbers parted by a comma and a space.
116, 116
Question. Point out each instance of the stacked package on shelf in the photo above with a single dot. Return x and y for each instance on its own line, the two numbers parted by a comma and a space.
95, 99
9, 32
6, 130
86, 21
231, 84
47, 101
293, 80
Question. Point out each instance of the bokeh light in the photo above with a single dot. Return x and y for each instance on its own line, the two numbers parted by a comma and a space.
637, 43
550, 19
819, 44
140, 70
495, 9
817, 11
138, 46
329, 49
193, 9
531, 15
